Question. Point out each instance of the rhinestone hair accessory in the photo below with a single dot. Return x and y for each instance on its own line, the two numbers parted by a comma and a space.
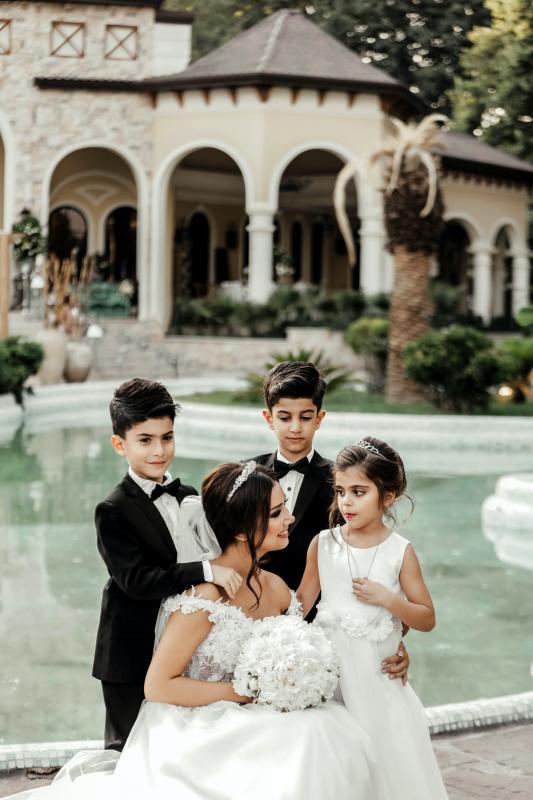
367, 446
249, 469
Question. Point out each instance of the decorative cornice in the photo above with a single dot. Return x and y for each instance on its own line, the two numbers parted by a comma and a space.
482, 171
263, 82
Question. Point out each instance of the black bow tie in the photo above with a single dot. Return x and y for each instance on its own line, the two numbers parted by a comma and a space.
162, 488
281, 468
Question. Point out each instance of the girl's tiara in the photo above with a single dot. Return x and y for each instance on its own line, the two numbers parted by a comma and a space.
367, 446
249, 469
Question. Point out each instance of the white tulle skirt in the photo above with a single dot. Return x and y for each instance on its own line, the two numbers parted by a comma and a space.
228, 752
392, 715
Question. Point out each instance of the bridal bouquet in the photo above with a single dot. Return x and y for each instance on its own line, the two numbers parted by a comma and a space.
287, 664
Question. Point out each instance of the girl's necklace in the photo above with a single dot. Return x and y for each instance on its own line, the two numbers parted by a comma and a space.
350, 556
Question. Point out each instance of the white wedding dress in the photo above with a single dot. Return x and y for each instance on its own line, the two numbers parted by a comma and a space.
226, 751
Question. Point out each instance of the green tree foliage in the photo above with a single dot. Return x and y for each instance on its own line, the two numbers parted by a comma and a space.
416, 41
494, 98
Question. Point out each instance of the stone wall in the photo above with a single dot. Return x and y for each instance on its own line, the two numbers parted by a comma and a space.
130, 348
40, 124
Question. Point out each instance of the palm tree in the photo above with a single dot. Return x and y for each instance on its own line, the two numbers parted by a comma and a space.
413, 211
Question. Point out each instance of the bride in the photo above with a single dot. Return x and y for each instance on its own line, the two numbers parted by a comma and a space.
195, 738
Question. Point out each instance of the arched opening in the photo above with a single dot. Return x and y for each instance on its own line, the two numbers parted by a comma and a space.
121, 243
2, 183
198, 277
206, 249
245, 249
305, 204
67, 235
296, 249
96, 179
502, 281
455, 262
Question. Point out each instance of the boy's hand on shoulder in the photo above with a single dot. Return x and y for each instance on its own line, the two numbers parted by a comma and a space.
227, 578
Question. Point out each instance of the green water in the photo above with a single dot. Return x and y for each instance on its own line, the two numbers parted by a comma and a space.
51, 578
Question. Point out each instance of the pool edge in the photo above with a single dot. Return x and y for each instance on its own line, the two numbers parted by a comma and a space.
472, 715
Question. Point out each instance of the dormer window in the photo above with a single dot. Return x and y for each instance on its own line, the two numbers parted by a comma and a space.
68, 39
5, 37
121, 42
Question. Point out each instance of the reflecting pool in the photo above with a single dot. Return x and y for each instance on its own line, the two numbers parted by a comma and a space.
51, 578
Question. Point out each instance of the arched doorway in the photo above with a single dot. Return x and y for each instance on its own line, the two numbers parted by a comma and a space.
67, 235
121, 243
306, 203
200, 236
97, 179
502, 281
2, 183
207, 247
455, 262
296, 249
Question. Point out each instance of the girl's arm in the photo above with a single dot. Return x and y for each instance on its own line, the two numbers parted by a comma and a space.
417, 610
164, 682
309, 587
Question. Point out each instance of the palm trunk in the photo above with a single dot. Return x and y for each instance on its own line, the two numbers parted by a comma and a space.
410, 315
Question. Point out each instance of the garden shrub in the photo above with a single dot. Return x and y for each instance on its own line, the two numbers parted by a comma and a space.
106, 300
369, 336
516, 359
455, 367
18, 360
286, 307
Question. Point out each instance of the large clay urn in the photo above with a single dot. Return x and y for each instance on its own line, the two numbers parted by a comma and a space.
79, 361
54, 343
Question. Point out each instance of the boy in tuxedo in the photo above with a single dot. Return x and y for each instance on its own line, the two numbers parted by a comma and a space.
294, 392
134, 527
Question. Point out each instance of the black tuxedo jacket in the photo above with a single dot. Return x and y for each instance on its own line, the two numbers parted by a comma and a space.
140, 556
311, 516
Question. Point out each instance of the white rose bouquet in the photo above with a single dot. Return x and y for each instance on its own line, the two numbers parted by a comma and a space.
287, 664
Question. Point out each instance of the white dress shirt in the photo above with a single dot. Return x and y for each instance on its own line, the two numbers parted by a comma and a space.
292, 481
170, 510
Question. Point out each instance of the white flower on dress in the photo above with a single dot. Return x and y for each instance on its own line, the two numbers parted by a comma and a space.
287, 664
375, 630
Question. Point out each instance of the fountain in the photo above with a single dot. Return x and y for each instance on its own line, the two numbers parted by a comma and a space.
507, 519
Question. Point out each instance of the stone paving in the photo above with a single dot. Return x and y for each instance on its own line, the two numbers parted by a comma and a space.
492, 764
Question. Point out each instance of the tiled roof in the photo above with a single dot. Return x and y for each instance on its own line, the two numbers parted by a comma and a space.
469, 154
285, 48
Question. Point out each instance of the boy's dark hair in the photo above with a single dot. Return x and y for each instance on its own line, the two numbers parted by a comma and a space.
138, 400
294, 379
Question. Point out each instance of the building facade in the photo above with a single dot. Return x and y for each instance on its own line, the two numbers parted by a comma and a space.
185, 177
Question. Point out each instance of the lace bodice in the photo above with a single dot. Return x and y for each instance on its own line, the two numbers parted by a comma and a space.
215, 658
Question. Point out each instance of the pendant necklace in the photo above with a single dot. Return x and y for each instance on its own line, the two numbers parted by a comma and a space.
350, 556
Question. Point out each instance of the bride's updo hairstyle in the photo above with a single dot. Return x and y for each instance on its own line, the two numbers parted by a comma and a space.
381, 464
247, 512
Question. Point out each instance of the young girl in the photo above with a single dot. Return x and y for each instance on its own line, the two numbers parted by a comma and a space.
371, 584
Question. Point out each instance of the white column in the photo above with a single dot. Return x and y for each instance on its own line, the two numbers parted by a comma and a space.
521, 290
482, 282
372, 237
260, 229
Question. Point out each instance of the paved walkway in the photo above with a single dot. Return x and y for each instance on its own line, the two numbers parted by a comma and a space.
493, 764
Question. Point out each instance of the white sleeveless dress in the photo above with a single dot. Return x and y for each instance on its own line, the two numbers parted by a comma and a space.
364, 635
226, 751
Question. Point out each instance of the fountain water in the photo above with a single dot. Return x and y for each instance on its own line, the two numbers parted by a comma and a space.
507, 519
